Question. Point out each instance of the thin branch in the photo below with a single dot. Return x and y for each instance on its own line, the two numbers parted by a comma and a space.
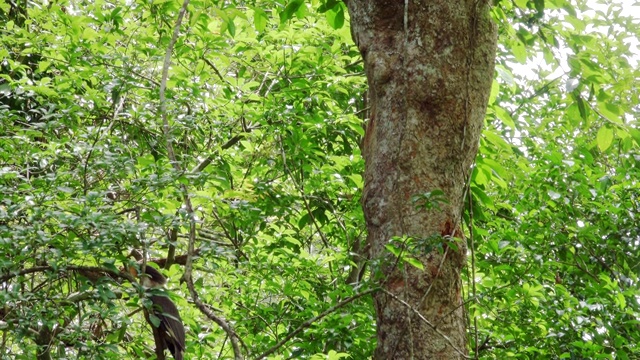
187, 200
215, 69
421, 317
95, 269
474, 291
309, 322
303, 196
537, 92
234, 140
163, 85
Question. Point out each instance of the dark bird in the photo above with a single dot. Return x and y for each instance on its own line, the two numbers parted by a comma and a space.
169, 333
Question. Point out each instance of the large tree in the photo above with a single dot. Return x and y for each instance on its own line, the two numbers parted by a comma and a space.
429, 67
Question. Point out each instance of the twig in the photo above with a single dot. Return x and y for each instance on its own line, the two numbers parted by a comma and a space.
95, 269
187, 200
474, 292
215, 69
202, 165
309, 322
421, 317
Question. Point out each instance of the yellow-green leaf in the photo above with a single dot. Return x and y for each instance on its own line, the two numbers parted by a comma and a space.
259, 19
604, 138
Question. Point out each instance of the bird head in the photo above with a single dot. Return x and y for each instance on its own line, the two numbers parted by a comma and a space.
152, 277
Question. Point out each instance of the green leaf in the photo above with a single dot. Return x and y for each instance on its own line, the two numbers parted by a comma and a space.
522, 3
302, 12
289, 10
505, 117
335, 17
621, 301
231, 27
304, 220
495, 90
260, 19
519, 51
328, 5
610, 111
392, 249
66, 189
155, 320
621, 354
414, 262
635, 133
333, 355
604, 138
582, 107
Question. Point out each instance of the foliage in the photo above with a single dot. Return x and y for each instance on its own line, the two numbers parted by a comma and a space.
555, 190
266, 105
268, 110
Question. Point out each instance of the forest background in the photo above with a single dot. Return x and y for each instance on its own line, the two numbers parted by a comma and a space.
265, 106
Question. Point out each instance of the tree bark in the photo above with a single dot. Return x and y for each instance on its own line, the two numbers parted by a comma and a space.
429, 65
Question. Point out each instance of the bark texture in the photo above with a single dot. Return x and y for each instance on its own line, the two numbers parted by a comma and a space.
430, 66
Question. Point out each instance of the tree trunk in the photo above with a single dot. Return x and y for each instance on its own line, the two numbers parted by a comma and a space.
430, 66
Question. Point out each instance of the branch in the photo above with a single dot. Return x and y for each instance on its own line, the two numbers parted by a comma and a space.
210, 158
187, 200
421, 317
309, 322
215, 69
81, 269
537, 92
161, 262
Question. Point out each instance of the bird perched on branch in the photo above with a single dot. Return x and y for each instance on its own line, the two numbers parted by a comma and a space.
168, 332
